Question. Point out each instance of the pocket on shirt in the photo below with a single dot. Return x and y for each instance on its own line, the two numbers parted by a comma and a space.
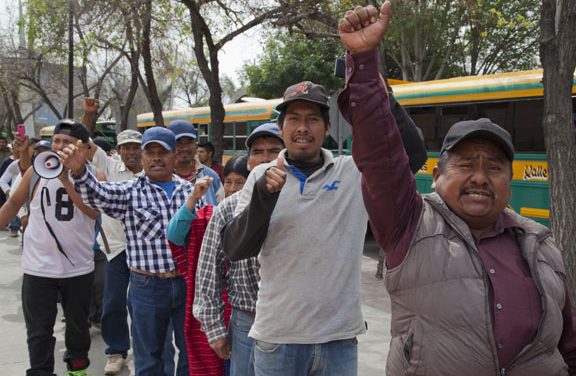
148, 223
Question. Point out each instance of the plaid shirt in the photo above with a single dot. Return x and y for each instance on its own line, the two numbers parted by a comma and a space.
145, 210
241, 280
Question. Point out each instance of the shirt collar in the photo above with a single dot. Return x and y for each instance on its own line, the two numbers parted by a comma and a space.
503, 222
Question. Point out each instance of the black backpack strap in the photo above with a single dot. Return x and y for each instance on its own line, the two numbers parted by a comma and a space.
43, 193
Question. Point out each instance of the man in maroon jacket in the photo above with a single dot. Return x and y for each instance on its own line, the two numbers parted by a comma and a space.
476, 289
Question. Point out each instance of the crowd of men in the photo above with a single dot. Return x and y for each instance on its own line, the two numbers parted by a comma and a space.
253, 268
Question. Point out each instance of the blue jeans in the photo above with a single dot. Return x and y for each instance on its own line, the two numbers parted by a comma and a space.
14, 223
154, 303
114, 306
337, 358
242, 357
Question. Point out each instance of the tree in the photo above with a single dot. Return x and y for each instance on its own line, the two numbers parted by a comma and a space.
233, 18
433, 39
447, 38
558, 55
288, 59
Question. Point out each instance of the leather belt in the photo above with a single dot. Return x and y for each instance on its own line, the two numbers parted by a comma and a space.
166, 275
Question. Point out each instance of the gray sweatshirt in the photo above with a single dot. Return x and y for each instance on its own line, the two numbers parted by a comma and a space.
310, 257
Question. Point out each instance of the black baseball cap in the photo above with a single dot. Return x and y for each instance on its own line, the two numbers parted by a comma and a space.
72, 128
305, 91
481, 128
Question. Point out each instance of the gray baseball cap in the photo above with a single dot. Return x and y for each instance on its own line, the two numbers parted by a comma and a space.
129, 136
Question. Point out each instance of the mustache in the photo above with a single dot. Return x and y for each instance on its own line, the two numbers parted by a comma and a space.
475, 187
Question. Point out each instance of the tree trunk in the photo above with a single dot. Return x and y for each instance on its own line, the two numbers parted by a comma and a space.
153, 97
558, 55
211, 73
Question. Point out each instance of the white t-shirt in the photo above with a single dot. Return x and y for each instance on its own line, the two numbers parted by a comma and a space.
73, 229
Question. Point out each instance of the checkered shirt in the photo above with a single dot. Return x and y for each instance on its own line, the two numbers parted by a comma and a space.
145, 210
241, 280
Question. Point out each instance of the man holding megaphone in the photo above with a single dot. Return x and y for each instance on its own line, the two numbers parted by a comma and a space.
57, 255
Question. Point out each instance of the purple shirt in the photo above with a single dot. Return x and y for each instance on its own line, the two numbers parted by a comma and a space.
394, 207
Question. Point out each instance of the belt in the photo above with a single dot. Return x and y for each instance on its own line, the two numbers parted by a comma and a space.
166, 275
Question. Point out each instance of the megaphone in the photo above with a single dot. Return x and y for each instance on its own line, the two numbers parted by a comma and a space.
47, 165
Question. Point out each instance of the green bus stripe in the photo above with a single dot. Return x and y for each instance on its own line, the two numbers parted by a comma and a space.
473, 90
490, 89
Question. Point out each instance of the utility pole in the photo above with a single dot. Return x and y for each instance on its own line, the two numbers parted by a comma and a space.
71, 61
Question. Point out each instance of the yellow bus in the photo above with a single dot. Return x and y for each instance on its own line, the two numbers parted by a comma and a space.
512, 100
104, 128
239, 121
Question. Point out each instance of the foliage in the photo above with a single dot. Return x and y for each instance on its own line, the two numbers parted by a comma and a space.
447, 38
288, 59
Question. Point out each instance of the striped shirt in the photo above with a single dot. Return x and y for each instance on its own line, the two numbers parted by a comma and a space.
241, 280
145, 209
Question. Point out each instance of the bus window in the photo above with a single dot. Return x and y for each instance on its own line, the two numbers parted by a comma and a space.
451, 115
528, 134
497, 112
202, 133
426, 118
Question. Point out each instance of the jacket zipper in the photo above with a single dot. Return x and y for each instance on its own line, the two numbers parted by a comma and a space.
476, 252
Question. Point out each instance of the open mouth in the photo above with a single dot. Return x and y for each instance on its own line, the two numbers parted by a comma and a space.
302, 140
478, 193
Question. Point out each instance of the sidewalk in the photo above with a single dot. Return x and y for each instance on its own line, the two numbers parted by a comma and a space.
373, 346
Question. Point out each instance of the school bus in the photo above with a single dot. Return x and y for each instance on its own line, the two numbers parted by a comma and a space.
240, 120
512, 100
104, 128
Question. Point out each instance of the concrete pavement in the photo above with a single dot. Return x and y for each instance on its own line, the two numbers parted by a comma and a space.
373, 346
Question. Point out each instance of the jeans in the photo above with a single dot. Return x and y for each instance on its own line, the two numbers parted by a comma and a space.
114, 307
169, 352
39, 303
337, 358
14, 223
97, 301
154, 303
242, 357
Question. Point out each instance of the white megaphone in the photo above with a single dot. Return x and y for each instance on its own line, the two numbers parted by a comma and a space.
47, 165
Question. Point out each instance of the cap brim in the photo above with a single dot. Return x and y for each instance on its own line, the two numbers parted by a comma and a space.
250, 140
161, 143
282, 106
191, 135
129, 142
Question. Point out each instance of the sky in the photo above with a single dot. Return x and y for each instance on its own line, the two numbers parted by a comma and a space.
235, 54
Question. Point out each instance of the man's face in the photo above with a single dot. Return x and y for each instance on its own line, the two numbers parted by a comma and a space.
131, 154
475, 183
3, 144
204, 155
264, 150
158, 163
185, 150
60, 141
303, 131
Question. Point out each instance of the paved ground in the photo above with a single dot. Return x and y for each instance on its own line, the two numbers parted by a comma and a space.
14, 356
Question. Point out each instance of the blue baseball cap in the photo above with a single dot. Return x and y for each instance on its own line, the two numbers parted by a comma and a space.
264, 130
159, 135
182, 128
